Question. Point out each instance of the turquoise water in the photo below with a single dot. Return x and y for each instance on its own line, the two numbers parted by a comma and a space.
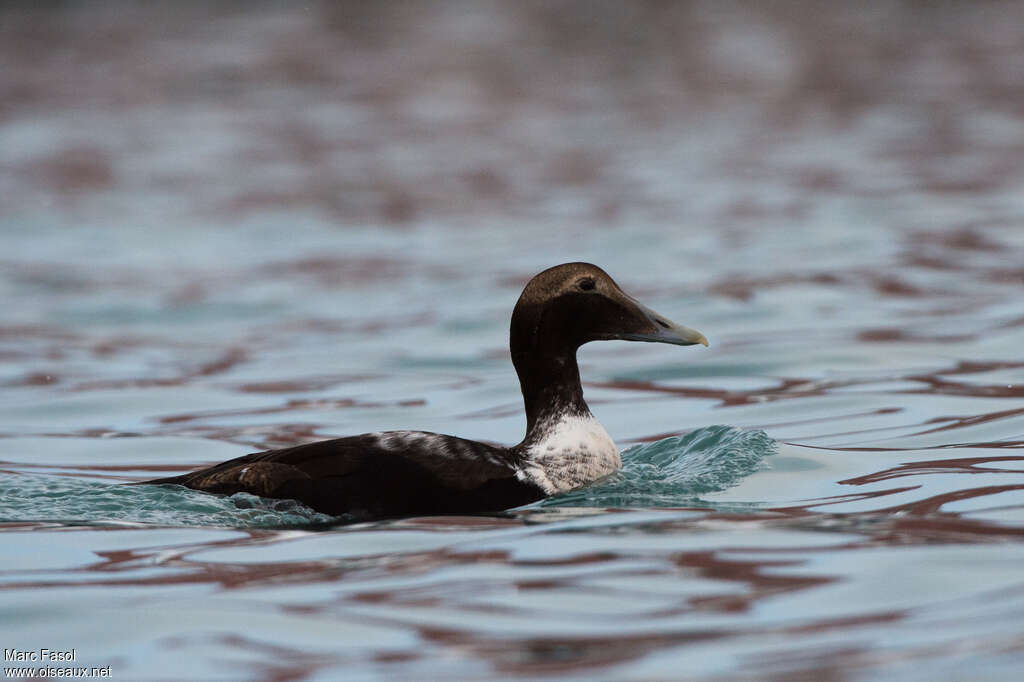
231, 229
74, 501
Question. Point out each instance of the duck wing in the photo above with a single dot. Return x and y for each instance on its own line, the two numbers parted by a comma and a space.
373, 475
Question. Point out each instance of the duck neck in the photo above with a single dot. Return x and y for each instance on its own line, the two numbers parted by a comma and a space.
551, 389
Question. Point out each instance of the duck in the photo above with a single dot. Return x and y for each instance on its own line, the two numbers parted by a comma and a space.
391, 474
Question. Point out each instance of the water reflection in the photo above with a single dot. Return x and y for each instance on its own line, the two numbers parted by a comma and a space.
534, 599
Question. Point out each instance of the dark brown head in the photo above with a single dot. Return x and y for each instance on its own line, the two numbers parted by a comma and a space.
574, 303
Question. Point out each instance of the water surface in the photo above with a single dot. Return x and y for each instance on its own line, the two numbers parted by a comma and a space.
253, 226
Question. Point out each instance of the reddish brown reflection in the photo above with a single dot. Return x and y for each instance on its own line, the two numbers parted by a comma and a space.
300, 384
760, 584
972, 420
786, 389
934, 504
964, 465
289, 406
937, 385
224, 363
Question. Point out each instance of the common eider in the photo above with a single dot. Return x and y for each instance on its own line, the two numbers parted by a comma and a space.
403, 473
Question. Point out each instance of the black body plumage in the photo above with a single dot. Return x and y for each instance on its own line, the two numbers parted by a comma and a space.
376, 475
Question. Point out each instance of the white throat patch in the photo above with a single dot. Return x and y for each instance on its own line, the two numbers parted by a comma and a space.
574, 451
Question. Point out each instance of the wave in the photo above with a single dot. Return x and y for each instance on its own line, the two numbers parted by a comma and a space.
675, 471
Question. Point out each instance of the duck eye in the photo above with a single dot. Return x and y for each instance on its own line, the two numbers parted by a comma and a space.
586, 284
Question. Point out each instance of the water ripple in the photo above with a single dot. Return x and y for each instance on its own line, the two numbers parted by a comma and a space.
673, 471
26, 497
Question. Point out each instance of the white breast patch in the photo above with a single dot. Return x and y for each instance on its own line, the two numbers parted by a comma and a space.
574, 451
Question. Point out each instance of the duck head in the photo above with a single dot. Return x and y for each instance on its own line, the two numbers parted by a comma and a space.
563, 308
572, 304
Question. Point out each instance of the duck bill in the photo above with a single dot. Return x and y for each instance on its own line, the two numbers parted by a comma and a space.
662, 330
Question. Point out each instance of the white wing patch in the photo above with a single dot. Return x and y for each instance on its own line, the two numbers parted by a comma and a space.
439, 445
404, 440
574, 451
